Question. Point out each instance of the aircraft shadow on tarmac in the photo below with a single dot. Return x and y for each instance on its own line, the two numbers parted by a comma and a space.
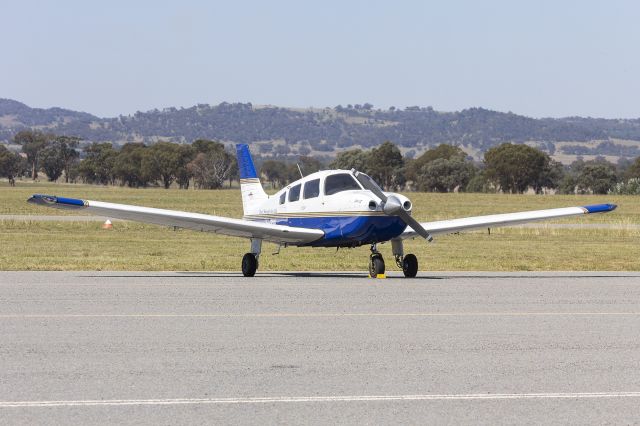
312, 275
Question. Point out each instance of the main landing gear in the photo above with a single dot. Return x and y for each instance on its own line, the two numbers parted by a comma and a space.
250, 260
408, 263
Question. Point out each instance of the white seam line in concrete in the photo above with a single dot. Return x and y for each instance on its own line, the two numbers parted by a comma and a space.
347, 398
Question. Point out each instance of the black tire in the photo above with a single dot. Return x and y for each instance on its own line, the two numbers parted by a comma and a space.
376, 265
410, 266
249, 265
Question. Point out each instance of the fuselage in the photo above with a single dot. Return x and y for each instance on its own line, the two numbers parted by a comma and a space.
334, 202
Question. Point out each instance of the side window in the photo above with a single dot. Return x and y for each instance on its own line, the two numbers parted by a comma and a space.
312, 189
283, 197
294, 193
338, 183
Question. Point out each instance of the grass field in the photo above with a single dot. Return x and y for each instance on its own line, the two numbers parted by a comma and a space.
132, 246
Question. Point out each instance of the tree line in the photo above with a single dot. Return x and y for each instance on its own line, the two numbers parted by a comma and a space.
206, 164
508, 168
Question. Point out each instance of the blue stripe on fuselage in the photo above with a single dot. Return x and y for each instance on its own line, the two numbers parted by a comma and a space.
349, 230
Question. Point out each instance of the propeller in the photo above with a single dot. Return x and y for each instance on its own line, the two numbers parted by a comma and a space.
391, 205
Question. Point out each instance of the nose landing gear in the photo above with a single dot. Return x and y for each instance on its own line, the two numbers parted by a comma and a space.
376, 262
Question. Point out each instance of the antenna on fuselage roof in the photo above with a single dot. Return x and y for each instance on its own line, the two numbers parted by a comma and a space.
300, 170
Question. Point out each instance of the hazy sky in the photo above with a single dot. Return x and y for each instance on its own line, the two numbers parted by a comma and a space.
538, 58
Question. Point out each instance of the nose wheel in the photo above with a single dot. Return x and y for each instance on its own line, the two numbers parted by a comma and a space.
376, 262
376, 265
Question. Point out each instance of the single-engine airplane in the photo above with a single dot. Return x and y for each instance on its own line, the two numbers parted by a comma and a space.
330, 208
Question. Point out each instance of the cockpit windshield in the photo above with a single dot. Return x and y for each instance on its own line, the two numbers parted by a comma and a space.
340, 182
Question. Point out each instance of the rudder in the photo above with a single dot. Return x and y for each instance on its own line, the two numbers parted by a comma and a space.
252, 193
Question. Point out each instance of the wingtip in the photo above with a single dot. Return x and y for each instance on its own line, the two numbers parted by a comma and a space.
42, 199
54, 201
600, 208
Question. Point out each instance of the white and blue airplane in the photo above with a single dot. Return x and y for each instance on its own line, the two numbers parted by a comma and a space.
330, 208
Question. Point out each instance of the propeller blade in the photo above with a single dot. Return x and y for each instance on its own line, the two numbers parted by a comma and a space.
369, 184
415, 225
391, 205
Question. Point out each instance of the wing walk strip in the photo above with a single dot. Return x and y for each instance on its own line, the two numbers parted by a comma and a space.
320, 399
322, 315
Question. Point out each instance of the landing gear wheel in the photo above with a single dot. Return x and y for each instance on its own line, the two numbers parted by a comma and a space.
376, 265
410, 266
249, 265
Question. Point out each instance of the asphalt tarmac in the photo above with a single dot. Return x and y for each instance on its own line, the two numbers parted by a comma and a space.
217, 348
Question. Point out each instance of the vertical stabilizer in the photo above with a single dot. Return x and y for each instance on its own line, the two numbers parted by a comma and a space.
252, 193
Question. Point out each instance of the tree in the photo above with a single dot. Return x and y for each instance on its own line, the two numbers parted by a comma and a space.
630, 187
309, 165
551, 176
596, 177
128, 166
11, 165
59, 156
568, 184
444, 175
183, 175
385, 165
206, 145
480, 183
275, 172
442, 151
352, 159
234, 172
633, 171
51, 161
211, 165
515, 168
33, 142
70, 156
163, 161
99, 164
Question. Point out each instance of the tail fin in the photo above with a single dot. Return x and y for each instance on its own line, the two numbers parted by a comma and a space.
252, 193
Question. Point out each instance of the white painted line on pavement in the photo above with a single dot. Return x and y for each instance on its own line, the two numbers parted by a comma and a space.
351, 398
321, 314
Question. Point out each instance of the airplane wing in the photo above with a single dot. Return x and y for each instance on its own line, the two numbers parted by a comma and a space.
507, 219
194, 221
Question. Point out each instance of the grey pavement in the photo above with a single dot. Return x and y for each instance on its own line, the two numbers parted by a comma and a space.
317, 348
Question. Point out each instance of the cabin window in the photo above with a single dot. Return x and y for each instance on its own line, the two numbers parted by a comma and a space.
283, 197
338, 183
294, 193
312, 189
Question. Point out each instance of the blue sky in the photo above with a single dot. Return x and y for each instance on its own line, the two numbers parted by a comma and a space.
537, 58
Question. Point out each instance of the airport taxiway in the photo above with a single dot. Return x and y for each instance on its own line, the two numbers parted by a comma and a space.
167, 348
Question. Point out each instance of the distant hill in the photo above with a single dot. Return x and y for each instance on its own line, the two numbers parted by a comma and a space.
286, 131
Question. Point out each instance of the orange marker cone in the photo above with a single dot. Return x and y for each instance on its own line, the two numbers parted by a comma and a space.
107, 225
